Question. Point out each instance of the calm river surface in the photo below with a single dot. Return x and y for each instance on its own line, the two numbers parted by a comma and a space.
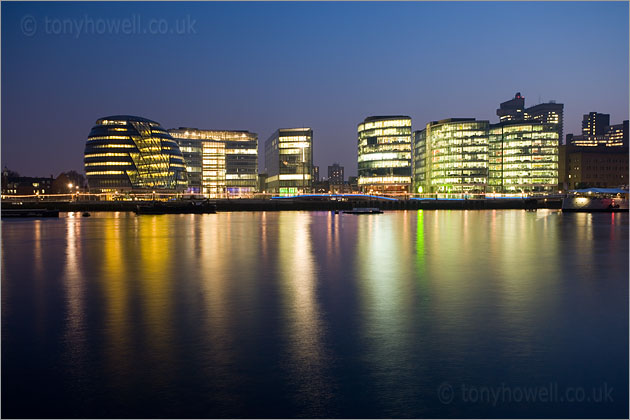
311, 314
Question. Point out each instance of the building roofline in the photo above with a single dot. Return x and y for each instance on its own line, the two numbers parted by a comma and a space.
521, 122
126, 118
558, 104
208, 129
384, 118
456, 120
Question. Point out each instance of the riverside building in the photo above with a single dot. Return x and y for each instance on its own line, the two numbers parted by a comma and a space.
289, 161
384, 154
523, 157
451, 156
124, 153
419, 162
547, 113
463, 155
219, 162
599, 167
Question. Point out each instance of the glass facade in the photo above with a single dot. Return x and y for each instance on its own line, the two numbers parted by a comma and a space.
219, 161
384, 154
523, 157
548, 113
419, 161
451, 156
289, 161
126, 153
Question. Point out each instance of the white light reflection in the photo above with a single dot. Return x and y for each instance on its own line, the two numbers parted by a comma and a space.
298, 281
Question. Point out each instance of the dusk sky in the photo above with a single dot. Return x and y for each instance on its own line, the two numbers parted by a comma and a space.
262, 66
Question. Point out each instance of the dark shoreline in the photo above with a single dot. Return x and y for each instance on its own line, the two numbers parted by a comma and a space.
302, 204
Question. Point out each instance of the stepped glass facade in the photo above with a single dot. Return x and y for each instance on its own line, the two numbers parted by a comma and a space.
384, 154
220, 162
523, 157
127, 153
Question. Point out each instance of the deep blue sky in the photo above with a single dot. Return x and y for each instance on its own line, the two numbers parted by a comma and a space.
260, 66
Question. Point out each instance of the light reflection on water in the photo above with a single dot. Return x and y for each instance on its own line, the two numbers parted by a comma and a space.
297, 314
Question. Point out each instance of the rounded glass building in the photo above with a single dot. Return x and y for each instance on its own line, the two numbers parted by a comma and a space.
523, 157
127, 153
384, 154
456, 155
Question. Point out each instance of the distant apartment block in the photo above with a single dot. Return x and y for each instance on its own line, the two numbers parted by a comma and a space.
512, 110
336, 174
597, 131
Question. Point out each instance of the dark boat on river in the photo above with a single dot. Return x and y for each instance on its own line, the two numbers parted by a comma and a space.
180, 207
364, 210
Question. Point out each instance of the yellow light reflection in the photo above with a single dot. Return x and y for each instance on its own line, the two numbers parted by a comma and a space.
156, 273
115, 289
215, 243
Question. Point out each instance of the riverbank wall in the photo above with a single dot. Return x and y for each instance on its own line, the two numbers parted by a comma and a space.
295, 204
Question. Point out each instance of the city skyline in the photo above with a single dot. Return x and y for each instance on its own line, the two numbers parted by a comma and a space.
318, 209
259, 79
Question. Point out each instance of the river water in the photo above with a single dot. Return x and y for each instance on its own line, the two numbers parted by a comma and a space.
311, 314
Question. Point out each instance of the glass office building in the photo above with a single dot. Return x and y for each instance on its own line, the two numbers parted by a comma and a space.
127, 153
289, 161
384, 154
523, 157
451, 156
548, 113
419, 161
219, 161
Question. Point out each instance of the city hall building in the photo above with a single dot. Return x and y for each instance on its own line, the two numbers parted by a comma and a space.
124, 153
